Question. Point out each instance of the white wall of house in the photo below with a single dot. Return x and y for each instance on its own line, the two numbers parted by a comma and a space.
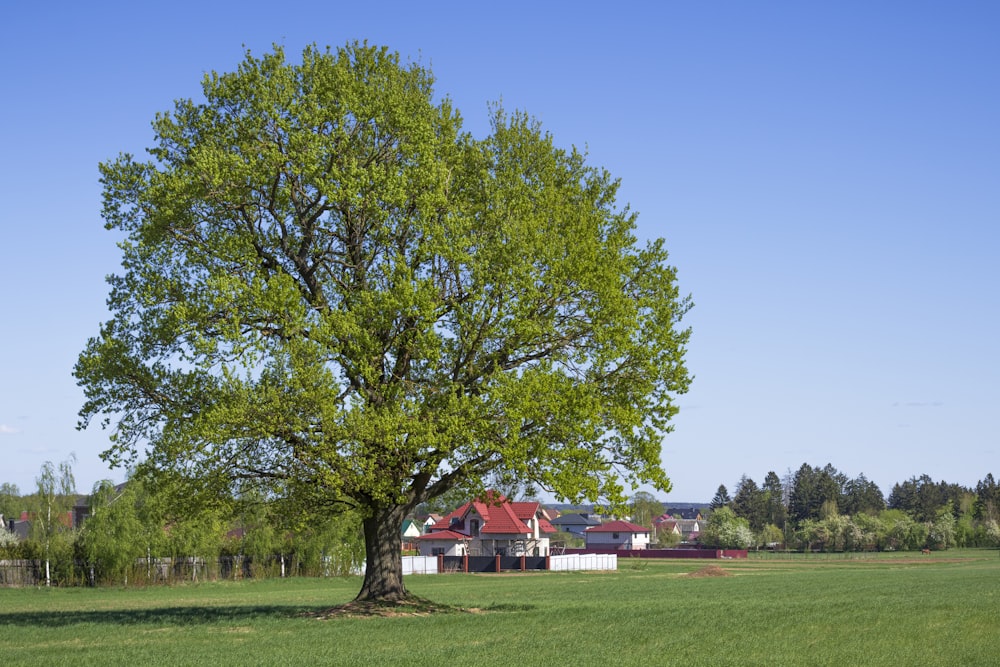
617, 540
446, 547
542, 545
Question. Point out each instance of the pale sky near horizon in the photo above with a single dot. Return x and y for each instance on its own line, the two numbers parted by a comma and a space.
826, 177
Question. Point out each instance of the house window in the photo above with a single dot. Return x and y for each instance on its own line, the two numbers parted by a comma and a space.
437, 551
474, 527
614, 536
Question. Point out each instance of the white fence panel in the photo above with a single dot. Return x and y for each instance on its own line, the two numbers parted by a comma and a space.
420, 565
584, 562
566, 562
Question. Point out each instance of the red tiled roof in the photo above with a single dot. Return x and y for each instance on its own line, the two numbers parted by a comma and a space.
500, 516
524, 510
618, 527
502, 519
445, 522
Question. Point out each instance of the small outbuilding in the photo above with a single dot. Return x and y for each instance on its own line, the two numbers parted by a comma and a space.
444, 543
622, 535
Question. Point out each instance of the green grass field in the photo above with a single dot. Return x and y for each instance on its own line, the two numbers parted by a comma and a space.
909, 609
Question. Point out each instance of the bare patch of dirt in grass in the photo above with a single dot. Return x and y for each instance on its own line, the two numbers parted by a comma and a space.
385, 609
709, 571
411, 606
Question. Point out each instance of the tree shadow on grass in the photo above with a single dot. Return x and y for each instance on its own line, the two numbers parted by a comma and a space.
181, 616
157, 616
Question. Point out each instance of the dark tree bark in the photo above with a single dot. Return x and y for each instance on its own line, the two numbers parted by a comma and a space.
383, 565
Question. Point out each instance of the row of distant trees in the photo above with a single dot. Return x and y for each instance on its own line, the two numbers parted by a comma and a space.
821, 508
148, 519
131, 526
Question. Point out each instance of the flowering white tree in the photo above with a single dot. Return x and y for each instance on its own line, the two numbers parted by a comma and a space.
7, 538
727, 531
993, 532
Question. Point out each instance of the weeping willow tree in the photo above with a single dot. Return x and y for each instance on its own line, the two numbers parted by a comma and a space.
111, 539
329, 290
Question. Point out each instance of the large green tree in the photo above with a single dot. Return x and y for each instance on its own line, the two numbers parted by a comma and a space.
774, 494
721, 498
750, 502
987, 504
331, 290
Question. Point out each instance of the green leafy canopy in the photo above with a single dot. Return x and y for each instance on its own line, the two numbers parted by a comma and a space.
329, 288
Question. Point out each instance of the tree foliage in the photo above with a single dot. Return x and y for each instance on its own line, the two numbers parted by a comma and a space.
8, 541
111, 539
811, 488
774, 500
727, 531
721, 498
644, 508
750, 502
331, 292
923, 497
51, 515
987, 504
862, 496
826, 510
11, 503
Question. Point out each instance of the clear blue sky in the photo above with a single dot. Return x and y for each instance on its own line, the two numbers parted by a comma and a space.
826, 175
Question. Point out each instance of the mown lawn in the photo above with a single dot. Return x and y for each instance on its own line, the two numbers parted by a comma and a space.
942, 609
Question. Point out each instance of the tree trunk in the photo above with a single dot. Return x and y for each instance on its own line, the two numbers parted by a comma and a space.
384, 555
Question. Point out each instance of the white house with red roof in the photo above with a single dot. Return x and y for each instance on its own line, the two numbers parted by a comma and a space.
490, 526
617, 535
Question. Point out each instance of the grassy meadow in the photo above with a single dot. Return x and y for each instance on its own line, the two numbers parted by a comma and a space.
942, 609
